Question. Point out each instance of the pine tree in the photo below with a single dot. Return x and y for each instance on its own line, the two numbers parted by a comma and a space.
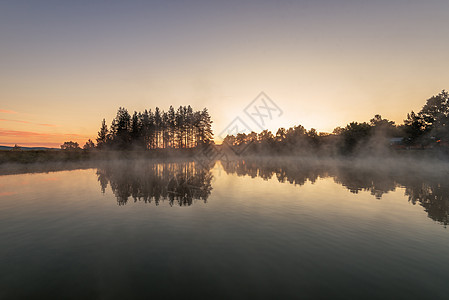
135, 129
171, 124
121, 128
180, 126
157, 126
103, 134
151, 131
206, 127
89, 145
145, 129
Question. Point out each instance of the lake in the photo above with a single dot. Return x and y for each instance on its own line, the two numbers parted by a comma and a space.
244, 229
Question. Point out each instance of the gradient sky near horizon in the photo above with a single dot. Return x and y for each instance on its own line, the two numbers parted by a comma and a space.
66, 65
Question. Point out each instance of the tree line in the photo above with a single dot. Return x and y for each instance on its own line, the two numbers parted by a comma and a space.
158, 129
427, 128
185, 128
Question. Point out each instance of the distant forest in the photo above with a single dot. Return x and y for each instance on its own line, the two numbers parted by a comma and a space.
428, 128
183, 128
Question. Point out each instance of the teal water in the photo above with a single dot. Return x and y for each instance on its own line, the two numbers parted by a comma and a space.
228, 231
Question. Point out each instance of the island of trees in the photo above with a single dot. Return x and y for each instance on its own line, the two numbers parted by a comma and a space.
158, 129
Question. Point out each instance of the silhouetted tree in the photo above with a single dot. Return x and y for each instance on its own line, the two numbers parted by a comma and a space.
338, 130
281, 134
89, 145
171, 126
103, 135
157, 126
431, 122
435, 115
205, 127
136, 130
121, 129
354, 134
70, 146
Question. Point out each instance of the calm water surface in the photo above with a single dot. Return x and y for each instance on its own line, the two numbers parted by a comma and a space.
230, 231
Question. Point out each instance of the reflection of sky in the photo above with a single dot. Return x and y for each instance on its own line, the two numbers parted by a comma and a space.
27, 187
324, 62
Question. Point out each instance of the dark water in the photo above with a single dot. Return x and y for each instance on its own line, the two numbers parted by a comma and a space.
240, 230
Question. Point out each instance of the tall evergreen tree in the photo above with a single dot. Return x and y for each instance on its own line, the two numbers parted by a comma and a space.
180, 127
145, 129
157, 126
103, 135
171, 124
135, 130
121, 127
206, 124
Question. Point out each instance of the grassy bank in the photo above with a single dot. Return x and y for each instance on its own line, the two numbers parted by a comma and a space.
44, 156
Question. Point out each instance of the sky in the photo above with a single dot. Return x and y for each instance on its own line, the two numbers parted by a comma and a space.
66, 65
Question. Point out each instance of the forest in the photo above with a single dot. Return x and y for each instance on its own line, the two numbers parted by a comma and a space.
183, 128
427, 129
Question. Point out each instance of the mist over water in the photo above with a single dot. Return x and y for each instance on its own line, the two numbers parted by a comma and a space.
247, 228
424, 182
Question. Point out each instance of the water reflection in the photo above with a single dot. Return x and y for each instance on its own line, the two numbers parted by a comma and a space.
183, 182
433, 196
179, 183
430, 190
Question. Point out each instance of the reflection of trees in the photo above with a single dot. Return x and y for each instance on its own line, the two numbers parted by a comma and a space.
293, 173
431, 192
433, 196
357, 180
177, 182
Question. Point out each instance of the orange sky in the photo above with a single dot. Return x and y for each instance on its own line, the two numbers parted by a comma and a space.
324, 63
